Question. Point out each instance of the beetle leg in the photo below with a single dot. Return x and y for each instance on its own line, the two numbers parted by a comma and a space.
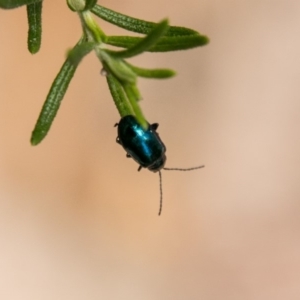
140, 168
116, 124
154, 126
128, 155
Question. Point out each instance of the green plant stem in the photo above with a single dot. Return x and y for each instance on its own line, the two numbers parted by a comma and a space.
91, 28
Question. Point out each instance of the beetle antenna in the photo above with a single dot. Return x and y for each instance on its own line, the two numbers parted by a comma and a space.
160, 181
185, 169
161, 193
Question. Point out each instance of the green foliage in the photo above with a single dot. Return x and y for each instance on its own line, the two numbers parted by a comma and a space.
121, 76
54, 97
145, 43
165, 44
9, 4
34, 15
152, 73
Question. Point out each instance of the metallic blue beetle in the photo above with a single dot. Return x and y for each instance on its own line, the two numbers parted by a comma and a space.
143, 145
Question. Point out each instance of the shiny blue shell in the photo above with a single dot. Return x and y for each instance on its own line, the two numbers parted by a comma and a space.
143, 145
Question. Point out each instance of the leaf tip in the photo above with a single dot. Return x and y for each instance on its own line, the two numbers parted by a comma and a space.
34, 140
172, 73
165, 21
205, 39
34, 49
37, 136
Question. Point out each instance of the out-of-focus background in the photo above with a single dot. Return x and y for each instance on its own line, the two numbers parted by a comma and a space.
77, 221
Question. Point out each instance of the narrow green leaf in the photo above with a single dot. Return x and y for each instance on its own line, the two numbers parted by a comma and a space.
175, 38
135, 92
134, 96
117, 67
122, 41
53, 100
163, 45
152, 73
78, 53
179, 43
9, 4
134, 24
119, 96
145, 43
34, 16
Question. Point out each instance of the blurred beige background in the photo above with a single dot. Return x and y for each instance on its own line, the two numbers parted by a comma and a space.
77, 221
